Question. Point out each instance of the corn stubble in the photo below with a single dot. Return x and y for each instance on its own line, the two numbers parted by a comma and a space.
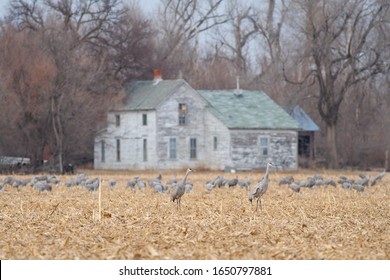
71, 223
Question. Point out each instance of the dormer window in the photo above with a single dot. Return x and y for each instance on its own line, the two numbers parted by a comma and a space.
182, 113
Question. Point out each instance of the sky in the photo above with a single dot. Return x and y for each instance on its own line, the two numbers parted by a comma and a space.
3, 5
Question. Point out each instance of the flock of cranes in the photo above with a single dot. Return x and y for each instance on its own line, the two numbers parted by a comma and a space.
359, 185
43, 183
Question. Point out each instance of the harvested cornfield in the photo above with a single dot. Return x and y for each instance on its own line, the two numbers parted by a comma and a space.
316, 223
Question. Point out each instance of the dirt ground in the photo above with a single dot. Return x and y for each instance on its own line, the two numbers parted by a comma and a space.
319, 223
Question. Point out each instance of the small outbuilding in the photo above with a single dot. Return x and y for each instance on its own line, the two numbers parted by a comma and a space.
306, 134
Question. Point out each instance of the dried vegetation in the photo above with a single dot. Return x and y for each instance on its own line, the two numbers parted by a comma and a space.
319, 223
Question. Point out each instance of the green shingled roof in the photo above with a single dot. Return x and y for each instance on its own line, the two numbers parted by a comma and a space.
146, 95
249, 110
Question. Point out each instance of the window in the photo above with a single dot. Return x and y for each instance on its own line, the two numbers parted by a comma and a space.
144, 119
103, 151
117, 120
264, 146
182, 113
172, 148
118, 150
304, 146
215, 143
145, 149
193, 148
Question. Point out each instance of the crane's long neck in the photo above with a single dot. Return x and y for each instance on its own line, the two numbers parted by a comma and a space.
185, 178
266, 172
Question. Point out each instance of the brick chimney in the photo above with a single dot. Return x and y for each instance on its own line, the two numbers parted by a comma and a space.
157, 76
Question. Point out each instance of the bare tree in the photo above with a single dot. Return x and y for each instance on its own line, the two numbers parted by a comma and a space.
345, 48
71, 32
242, 25
26, 75
182, 21
216, 70
131, 46
269, 29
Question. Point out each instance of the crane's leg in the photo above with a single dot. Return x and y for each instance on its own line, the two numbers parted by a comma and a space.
261, 208
257, 204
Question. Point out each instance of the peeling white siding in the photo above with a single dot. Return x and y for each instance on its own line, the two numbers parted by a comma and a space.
282, 149
131, 134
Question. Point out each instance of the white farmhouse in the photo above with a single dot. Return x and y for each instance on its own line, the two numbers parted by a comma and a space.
166, 124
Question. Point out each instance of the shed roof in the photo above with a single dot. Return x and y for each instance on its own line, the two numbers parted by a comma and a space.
247, 110
147, 95
306, 123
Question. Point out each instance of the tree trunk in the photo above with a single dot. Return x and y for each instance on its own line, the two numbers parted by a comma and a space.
332, 157
57, 128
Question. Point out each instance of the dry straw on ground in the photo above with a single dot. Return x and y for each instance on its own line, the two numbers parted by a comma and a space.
320, 223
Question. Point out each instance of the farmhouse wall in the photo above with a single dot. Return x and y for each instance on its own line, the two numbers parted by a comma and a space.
246, 152
168, 127
218, 158
131, 133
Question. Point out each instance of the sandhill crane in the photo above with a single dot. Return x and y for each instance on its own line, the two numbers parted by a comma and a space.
309, 183
8, 180
219, 181
318, 180
43, 186
92, 184
111, 183
362, 175
295, 187
189, 187
180, 189
260, 188
158, 188
358, 187
16, 183
156, 181
232, 182
330, 181
342, 179
131, 183
69, 183
245, 183
140, 183
347, 184
53, 180
364, 181
80, 179
377, 177
286, 181
209, 186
